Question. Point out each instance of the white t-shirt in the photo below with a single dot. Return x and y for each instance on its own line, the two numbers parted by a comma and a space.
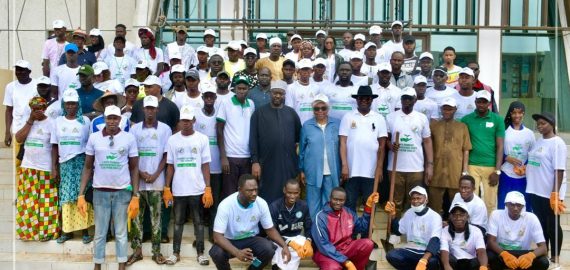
237, 222
293, 56
221, 98
196, 102
362, 132
453, 76
459, 247
18, 96
438, 96
300, 98
515, 234
64, 77
390, 47
420, 229
341, 100
121, 68
114, 86
52, 51
207, 126
186, 51
37, 146
517, 144
236, 130
110, 50
388, 99
428, 107
322, 85
187, 154
413, 128
142, 54
70, 136
345, 53
360, 80
370, 71
477, 210
546, 156
151, 143
465, 105
111, 168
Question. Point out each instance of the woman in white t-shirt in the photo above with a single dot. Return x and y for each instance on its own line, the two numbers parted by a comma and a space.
462, 244
71, 131
546, 184
518, 141
37, 190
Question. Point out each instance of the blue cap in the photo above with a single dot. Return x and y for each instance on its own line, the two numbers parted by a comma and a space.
71, 47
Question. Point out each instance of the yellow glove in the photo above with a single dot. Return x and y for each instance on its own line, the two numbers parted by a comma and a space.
82, 205
349, 265
422, 264
307, 249
207, 198
298, 248
482, 267
128, 224
556, 204
133, 209
525, 261
372, 199
167, 196
509, 259
390, 208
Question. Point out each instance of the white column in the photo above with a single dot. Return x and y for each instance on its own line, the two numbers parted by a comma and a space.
489, 46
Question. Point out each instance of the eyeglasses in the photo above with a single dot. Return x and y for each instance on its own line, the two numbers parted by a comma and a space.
111, 142
320, 108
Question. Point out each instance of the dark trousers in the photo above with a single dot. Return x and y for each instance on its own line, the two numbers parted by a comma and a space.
262, 248
165, 219
496, 262
358, 187
407, 259
183, 206
549, 222
238, 166
471, 264
216, 185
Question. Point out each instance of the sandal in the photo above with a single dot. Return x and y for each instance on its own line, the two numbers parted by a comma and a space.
64, 237
203, 260
87, 239
172, 260
158, 258
134, 258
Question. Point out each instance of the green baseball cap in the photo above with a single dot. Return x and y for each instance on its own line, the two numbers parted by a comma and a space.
241, 79
86, 70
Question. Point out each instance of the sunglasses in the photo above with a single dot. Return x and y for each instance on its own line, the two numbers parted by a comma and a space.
320, 108
111, 142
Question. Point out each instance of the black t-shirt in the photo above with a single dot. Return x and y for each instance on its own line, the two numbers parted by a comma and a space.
168, 113
291, 223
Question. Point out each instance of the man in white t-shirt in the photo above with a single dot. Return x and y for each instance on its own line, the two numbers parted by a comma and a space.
348, 48
388, 94
121, 64
415, 153
475, 205
301, 93
152, 55
396, 44
465, 97
370, 66
424, 105
112, 162
237, 225
128, 47
362, 139
440, 90
16, 97
151, 136
422, 227
511, 232
102, 79
188, 182
340, 94
53, 47
65, 76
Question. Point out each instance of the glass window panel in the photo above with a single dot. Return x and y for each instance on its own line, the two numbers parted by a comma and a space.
534, 13
267, 9
286, 9
461, 7
359, 10
304, 10
342, 10
516, 13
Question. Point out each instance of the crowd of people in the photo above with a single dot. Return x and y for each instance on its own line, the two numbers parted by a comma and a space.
121, 137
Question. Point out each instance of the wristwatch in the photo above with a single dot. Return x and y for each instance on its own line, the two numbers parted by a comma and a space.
138, 194
498, 172
464, 173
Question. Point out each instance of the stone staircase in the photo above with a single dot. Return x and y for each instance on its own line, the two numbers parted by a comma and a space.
73, 254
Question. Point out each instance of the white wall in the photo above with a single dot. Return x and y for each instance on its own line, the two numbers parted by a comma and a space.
489, 45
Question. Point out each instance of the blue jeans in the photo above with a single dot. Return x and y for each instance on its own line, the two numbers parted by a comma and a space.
407, 259
107, 204
318, 197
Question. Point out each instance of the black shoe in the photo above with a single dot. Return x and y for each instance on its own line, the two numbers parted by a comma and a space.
146, 237
165, 240
375, 245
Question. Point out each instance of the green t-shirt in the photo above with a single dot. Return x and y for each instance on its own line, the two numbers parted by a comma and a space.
483, 132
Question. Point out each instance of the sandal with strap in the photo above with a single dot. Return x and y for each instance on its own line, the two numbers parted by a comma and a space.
203, 260
158, 259
86, 239
134, 258
172, 260
64, 237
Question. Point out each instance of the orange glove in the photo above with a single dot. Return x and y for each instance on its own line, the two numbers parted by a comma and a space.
422, 264
167, 196
520, 170
556, 204
133, 209
510, 260
390, 208
349, 265
482, 267
525, 261
307, 249
207, 198
372, 199
298, 248
82, 205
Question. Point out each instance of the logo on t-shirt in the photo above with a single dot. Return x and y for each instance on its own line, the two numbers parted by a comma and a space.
299, 214
180, 150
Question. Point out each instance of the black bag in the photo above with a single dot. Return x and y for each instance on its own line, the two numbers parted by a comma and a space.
371, 265
89, 195
20, 155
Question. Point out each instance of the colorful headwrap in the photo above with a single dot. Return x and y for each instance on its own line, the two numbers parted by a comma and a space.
147, 33
37, 101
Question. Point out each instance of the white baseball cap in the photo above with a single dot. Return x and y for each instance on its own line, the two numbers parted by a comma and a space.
58, 24
296, 36
70, 95
396, 23
23, 64
319, 61
375, 30
186, 112
210, 32
203, 49
418, 189
384, 66
132, 82
95, 32
43, 80
152, 80
515, 197
243, 43
207, 86
175, 55
360, 36
249, 50
370, 44
426, 54
142, 64
449, 101
275, 40
150, 101
467, 71
305, 63
320, 32
420, 79
177, 68
112, 110
98, 67
321, 97
356, 55
483, 94
459, 205
261, 35
408, 91
234, 45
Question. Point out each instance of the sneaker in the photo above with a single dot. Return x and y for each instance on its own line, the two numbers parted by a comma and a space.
203, 260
